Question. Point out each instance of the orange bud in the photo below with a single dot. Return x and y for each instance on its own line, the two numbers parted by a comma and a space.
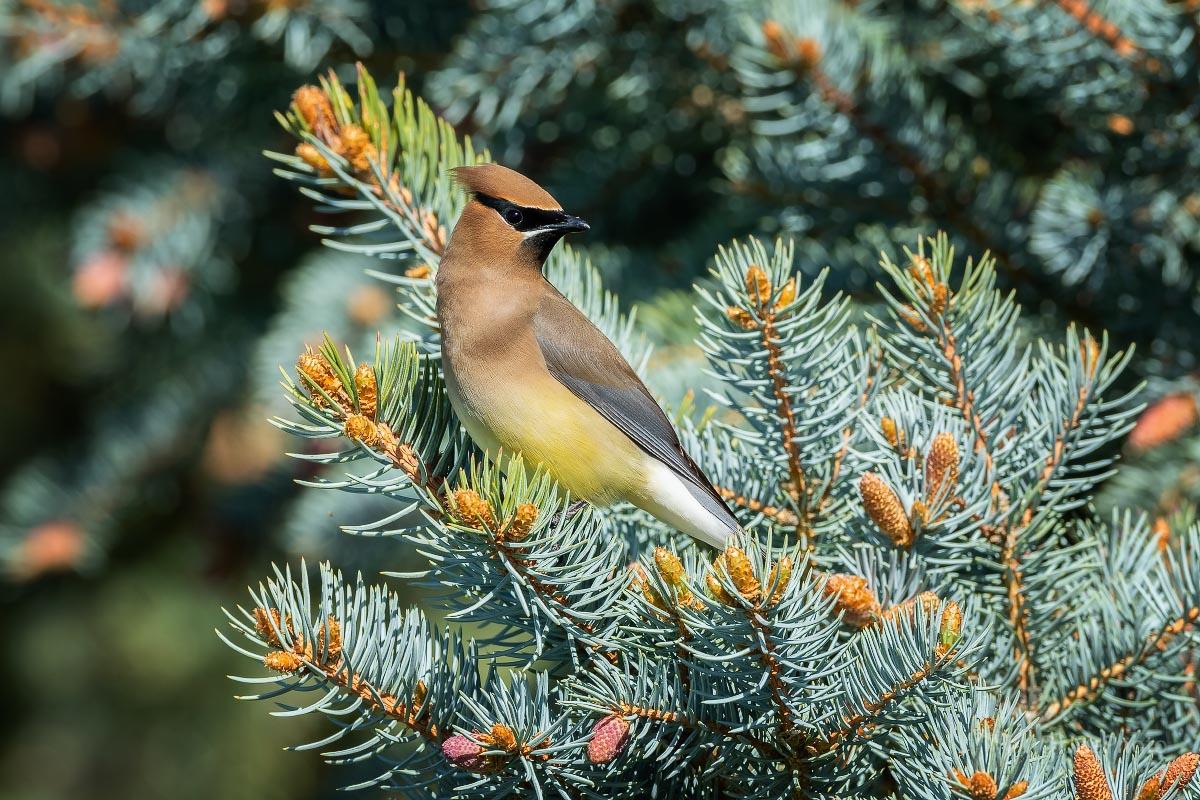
357, 148
758, 285
885, 509
367, 389
1152, 788
473, 510
1120, 124
715, 587
741, 572
890, 432
941, 466
312, 156
808, 53
361, 429
741, 317
314, 107
1016, 790
1089, 778
501, 737
1164, 421
787, 294
854, 599
980, 785
522, 522
318, 372
910, 315
776, 39
420, 271
283, 661
779, 577
266, 623
368, 304
1181, 770
669, 566
940, 299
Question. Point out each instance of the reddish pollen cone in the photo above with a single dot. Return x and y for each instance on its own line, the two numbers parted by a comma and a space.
51, 547
1164, 421
100, 281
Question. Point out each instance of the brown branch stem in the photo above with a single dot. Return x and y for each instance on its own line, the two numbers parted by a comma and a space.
1093, 688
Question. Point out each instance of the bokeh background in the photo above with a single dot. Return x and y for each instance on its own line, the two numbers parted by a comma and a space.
154, 275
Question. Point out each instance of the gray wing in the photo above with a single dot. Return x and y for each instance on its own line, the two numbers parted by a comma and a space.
582, 358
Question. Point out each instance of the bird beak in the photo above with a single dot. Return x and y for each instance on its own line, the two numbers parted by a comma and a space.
570, 224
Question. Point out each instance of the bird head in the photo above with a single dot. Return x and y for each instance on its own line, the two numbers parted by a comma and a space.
509, 215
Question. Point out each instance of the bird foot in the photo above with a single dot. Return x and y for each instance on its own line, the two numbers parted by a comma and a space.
569, 512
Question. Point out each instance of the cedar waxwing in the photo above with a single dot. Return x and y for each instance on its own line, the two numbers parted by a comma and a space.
528, 373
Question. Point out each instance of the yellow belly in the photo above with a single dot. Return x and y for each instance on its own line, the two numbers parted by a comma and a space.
549, 426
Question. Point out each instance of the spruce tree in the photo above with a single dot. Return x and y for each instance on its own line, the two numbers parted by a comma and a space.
924, 603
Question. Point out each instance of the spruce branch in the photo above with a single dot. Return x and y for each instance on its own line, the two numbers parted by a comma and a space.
803, 57
1106, 31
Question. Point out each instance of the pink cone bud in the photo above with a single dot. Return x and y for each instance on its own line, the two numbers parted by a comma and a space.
463, 753
609, 738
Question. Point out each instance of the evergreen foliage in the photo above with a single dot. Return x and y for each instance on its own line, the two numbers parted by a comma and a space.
924, 603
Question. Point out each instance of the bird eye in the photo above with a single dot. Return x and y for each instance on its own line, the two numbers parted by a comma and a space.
513, 216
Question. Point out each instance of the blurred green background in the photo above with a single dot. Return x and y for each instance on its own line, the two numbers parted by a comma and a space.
154, 275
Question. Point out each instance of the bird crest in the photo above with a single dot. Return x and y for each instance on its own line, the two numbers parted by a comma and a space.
502, 183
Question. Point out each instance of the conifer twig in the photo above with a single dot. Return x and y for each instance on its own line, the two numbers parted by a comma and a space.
1094, 687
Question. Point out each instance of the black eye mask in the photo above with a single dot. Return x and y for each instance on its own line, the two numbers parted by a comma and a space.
524, 219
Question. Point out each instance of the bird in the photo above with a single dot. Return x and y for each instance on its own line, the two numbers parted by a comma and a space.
528, 373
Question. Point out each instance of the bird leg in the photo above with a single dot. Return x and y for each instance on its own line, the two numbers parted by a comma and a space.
569, 512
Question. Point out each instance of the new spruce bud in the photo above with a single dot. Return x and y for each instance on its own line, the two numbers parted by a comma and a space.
741, 572
283, 661
361, 429
472, 510
853, 598
715, 587
1152, 788
319, 374
779, 577
669, 566
501, 737
1088, 776
1016, 790
787, 295
980, 785
609, 737
941, 466
465, 754
314, 107
890, 431
523, 519
367, 389
758, 285
741, 317
885, 509
1181, 771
